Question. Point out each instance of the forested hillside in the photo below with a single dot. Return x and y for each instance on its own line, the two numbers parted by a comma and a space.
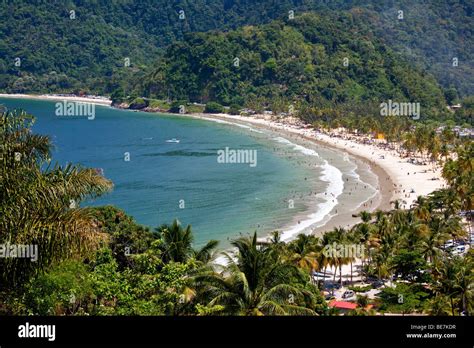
88, 52
314, 59
48, 48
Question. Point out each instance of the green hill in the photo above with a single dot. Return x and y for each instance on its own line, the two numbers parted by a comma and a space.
314, 59
62, 54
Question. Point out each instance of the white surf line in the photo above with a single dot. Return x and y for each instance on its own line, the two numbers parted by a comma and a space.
331, 175
333, 190
355, 175
297, 147
231, 123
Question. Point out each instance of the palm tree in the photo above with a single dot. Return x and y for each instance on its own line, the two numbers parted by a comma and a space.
446, 201
409, 142
460, 176
352, 238
276, 243
325, 261
339, 237
454, 279
444, 151
365, 233
365, 216
434, 147
439, 305
422, 208
304, 253
177, 244
40, 203
256, 282
430, 246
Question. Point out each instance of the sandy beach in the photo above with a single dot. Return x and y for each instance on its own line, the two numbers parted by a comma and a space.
340, 216
403, 174
398, 179
87, 99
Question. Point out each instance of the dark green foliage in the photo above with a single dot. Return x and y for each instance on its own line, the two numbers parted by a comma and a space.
39, 201
101, 288
118, 96
451, 95
88, 53
465, 115
234, 109
404, 298
299, 60
214, 108
62, 291
126, 236
259, 282
409, 265
58, 53
176, 244
360, 288
138, 103
178, 107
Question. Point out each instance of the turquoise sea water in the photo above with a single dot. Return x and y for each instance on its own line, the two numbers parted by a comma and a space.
184, 180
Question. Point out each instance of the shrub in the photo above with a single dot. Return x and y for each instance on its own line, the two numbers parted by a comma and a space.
214, 108
360, 288
177, 105
234, 109
138, 103
118, 96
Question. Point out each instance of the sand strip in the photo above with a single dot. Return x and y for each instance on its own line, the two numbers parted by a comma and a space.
87, 99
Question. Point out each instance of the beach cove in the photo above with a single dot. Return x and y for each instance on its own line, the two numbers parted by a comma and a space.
384, 174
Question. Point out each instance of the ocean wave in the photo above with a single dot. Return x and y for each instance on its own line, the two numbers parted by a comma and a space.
329, 174
353, 174
233, 124
333, 176
357, 176
302, 149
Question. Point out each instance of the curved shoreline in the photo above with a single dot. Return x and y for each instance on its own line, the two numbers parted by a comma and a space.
398, 170
345, 219
392, 184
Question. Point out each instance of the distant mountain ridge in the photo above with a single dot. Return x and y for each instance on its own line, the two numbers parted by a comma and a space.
58, 53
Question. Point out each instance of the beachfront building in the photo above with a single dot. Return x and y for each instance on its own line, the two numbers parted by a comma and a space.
343, 306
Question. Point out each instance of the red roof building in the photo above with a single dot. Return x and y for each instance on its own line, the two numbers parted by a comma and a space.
342, 305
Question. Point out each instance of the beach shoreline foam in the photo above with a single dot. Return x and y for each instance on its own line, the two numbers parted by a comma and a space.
403, 173
332, 216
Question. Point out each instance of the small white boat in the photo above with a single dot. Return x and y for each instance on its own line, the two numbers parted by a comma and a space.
174, 140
